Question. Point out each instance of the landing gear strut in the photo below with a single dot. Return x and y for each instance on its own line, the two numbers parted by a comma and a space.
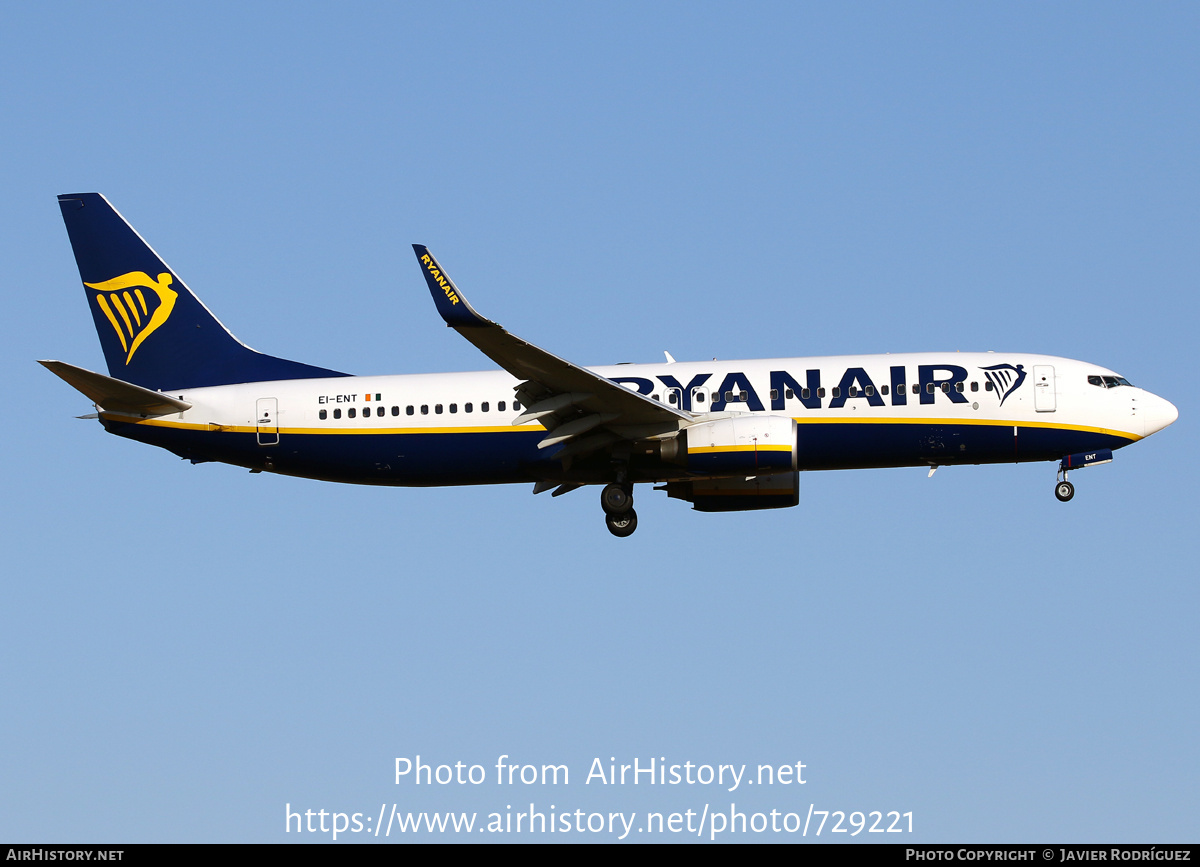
1063, 489
617, 501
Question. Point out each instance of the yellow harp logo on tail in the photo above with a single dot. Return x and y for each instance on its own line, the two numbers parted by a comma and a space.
121, 299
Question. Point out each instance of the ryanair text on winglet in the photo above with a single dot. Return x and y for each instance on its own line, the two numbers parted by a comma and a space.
441, 281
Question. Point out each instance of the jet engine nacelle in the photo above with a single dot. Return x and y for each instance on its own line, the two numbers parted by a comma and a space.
739, 495
745, 445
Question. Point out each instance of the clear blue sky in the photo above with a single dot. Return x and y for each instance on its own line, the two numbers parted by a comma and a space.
186, 649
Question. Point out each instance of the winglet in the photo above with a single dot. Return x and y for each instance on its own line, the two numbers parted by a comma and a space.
454, 308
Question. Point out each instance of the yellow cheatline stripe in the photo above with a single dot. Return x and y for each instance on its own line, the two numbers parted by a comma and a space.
715, 449
355, 431
971, 421
183, 425
367, 431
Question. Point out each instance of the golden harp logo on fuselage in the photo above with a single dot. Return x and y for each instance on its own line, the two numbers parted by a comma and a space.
122, 300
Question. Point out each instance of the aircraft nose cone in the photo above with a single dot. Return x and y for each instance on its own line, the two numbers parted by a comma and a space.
1158, 414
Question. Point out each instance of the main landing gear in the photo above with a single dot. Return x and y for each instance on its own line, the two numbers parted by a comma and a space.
617, 501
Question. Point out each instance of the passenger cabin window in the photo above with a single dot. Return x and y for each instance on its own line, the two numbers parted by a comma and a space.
454, 407
959, 387
699, 397
437, 408
775, 394
323, 414
974, 386
424, 409
820, 392
987, 386
379, 411
395, 410
883, 389
499, 406
468, 407
337, 413
409, 410
806, 393
837, 391
853, 391
483, 407
351, 412
516, 404
870, 390
788, 393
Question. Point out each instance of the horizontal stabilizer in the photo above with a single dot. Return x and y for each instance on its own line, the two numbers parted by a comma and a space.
114, 395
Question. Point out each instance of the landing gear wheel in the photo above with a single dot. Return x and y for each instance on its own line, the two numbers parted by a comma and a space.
622, 525
1064, 491
616, 499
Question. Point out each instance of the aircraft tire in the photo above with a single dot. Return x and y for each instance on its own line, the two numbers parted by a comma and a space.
1064, 491
622, 525
616, 499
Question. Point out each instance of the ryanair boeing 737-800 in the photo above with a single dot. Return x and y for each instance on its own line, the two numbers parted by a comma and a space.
724, 436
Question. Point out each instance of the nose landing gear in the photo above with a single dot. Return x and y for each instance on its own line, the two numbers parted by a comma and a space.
1063, 489
619, 516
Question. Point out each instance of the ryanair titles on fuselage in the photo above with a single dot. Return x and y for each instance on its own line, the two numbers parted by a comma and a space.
855, 383
973, 381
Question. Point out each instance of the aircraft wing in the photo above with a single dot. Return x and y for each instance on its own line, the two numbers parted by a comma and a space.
577, 406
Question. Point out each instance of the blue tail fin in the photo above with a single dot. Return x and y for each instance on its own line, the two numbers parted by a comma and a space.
154, 331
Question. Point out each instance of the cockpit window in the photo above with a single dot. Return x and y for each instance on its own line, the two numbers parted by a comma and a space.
1109, 381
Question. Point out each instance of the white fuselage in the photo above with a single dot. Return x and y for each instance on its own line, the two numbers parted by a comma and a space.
851, 411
